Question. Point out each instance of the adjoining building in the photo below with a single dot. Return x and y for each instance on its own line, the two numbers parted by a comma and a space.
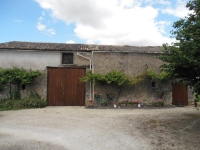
64, 64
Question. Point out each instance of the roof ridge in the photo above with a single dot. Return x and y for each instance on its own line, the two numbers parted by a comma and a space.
76, 47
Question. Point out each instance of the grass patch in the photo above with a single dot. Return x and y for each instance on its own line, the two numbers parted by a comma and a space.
12, 104
6, 109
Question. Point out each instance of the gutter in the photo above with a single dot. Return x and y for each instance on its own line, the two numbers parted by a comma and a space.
90, 69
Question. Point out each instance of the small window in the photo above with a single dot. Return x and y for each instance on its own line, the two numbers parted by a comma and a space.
23, 86
67, 58
153, 84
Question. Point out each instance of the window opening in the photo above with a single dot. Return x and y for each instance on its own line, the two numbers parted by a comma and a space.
67, 58
153, 84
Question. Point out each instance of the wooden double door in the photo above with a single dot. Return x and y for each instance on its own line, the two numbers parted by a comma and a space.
64, 87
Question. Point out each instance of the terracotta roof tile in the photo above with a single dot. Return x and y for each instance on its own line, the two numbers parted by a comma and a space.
15, 45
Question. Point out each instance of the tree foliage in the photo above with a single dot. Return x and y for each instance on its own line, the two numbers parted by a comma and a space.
182, 58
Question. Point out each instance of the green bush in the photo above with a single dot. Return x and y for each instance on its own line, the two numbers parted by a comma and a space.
34, 95
33, 103
8, 104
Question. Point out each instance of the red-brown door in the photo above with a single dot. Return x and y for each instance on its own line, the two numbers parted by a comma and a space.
179, 94
65, 88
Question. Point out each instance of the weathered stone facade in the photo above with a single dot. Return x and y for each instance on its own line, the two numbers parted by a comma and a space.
101, 58
132, 64
39, 86
141, 91
5, 91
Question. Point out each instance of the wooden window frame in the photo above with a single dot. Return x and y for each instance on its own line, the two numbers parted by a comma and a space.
67, 58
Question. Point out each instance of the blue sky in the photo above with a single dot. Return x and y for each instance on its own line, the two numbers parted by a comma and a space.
113, 22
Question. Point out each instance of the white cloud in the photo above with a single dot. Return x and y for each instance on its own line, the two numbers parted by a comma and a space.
17, 20
41, 18
179, 11
120, 22
161, 26
44, 30
41, 26
70, 42
151, 2
164, 2
51, 31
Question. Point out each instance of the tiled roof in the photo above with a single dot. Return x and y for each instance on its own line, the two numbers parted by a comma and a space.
37, 46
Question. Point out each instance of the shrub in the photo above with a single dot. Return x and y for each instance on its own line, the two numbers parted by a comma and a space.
9, 104
33, 101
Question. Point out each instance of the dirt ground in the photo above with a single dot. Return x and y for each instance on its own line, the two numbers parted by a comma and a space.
75, 128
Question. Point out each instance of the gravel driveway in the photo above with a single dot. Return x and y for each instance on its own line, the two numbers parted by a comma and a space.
78, 128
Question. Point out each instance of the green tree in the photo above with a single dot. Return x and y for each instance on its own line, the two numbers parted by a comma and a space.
182, 58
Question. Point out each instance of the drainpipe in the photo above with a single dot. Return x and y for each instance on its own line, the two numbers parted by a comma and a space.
90, 69
85, 58
92, 73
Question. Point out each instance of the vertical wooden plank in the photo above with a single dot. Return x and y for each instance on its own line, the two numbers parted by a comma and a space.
179, 94
55, 87
65, 88
82, 88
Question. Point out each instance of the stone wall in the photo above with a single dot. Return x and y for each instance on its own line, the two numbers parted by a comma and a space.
29, 59
38, 61
142, 91
39, 86
131, 64
80, 61
4, 92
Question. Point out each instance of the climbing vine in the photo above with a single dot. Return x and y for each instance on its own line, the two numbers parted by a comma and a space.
112, 77
157, 76
119, 78
17, 76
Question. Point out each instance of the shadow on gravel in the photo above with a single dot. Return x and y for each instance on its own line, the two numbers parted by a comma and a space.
173, 132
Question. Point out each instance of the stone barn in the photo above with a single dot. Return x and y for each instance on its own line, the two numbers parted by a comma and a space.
64, 64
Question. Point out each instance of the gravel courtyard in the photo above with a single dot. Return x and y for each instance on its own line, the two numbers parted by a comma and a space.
78, 128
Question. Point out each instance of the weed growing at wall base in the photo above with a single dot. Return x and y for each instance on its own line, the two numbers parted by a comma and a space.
29, 102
